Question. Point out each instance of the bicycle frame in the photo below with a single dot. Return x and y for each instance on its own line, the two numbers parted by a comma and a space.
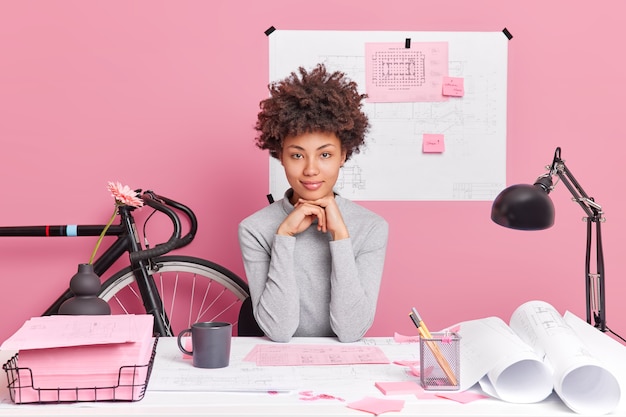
127, 241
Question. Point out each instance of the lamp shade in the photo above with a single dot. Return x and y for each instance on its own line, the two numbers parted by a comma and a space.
523, 207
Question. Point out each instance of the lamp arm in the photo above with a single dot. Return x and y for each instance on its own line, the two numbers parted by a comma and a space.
592, 209
594, 282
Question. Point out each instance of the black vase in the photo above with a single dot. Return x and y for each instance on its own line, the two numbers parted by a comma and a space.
85, 285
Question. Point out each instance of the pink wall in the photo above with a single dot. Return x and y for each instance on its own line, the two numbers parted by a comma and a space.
164, 94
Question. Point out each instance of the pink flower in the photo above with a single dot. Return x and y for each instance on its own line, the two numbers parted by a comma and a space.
124, 196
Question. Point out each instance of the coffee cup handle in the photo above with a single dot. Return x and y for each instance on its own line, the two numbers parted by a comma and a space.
180, 344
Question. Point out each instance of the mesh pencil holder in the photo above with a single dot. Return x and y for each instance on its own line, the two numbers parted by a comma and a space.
440, 362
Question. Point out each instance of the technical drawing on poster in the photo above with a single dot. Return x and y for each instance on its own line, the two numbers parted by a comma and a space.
395, 73
393, 166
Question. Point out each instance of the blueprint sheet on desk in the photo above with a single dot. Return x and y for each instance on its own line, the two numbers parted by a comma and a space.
173, 373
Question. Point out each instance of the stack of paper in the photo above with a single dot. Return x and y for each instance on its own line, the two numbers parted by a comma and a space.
81, 358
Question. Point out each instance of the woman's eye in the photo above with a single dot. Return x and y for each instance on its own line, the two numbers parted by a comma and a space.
326, 155
296, 156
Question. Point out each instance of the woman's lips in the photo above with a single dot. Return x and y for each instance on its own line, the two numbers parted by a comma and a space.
312, 186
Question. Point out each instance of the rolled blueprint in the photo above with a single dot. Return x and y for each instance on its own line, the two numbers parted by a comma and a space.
581, 380
537, 353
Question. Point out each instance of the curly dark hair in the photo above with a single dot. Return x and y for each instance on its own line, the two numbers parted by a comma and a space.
317, 101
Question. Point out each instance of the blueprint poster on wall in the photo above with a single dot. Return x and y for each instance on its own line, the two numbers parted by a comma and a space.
437, 109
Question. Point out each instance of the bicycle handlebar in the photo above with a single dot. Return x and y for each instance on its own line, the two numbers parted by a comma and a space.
165, 205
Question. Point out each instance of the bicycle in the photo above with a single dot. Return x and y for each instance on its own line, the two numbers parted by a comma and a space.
153, 283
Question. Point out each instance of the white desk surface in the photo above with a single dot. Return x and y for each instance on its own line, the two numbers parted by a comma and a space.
350, 383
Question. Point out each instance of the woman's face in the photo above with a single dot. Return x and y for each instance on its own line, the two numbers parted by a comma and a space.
312, 162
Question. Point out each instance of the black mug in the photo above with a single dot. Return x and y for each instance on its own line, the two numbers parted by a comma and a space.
210, 342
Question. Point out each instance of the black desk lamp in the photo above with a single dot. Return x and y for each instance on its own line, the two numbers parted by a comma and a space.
528, 207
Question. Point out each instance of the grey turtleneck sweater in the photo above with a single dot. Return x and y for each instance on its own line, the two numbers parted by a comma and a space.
308, 284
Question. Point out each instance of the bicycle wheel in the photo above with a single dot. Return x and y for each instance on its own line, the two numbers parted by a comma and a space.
191, 290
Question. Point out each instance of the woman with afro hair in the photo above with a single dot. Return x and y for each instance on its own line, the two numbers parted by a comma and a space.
314, 260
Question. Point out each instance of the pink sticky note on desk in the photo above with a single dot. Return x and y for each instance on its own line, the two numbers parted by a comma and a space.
401, 338
453, 86
188, 345
377, 406
433, 143
462, 397
398, 387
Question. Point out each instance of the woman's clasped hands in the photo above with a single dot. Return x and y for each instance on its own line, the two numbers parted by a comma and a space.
305, 213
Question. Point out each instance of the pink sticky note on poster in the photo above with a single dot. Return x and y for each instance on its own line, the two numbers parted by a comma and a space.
453, 86
432, 143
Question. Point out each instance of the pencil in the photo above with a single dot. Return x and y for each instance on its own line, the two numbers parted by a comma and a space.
425, 334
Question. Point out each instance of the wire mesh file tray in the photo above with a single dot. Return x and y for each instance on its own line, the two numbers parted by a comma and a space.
129, 384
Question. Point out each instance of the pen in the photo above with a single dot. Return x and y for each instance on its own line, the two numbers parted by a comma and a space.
425, 334
414, 320
421, 323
